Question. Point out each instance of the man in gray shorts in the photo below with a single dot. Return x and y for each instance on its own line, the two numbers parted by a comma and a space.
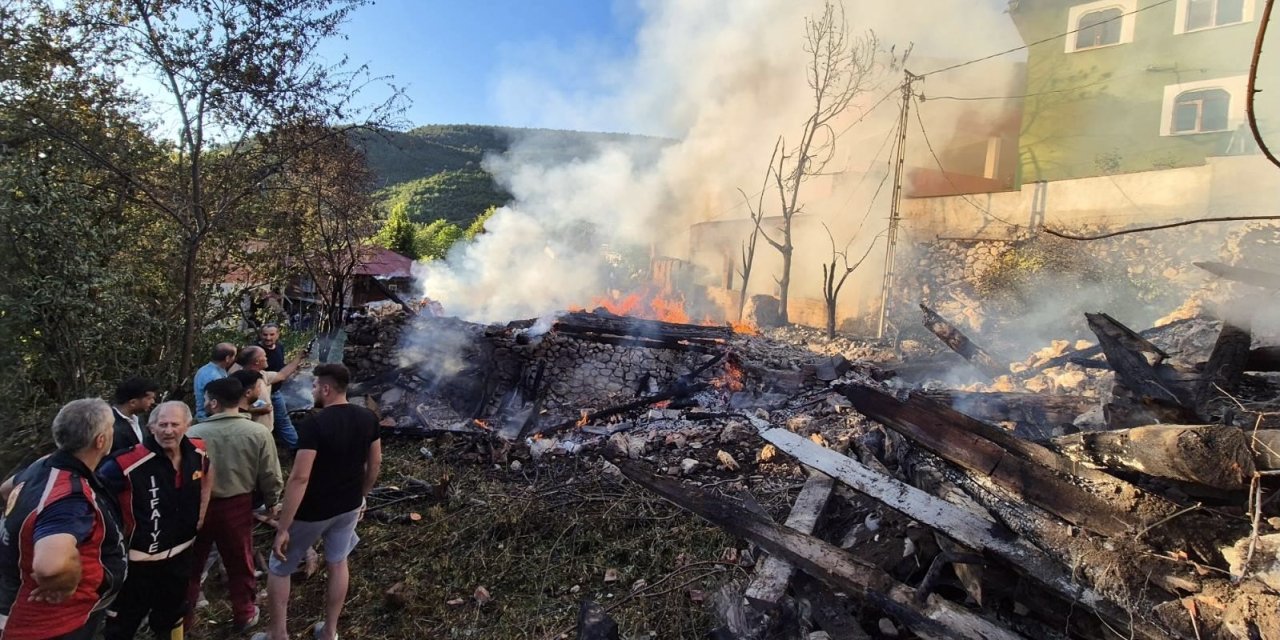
339, 455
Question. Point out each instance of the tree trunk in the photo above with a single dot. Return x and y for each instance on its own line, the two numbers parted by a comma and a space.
831, 316
189, 277
784, 283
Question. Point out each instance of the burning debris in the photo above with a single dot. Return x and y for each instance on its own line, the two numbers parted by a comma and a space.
1084, 492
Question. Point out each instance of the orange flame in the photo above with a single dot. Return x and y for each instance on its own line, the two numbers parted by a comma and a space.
670, 310
582, 422
732, 379
481, 423
743, 327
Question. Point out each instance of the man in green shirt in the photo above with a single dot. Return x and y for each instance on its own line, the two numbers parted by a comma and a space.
242, 455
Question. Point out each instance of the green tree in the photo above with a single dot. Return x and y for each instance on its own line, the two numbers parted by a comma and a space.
477, 226
398, 233
436, 238
233, 74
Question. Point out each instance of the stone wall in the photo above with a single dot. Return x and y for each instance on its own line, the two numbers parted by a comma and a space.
1139, 277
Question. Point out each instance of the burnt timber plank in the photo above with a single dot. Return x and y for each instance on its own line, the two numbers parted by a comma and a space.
1212, 455
769, 583
1255, 277
951, 336
935, 618
966, 527
949, 434
1225, 369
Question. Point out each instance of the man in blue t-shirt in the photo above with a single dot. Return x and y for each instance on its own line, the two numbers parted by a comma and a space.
220, 361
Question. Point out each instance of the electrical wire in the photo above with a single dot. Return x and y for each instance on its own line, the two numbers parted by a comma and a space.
987, 212
1049, 39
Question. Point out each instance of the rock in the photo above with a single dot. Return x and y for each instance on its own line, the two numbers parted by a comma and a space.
391, 396
726, 460
1070, 381
887, 628
482, 596
688, 465
767, 453
735, 431
797, 423
611, 575
611, 469
1038, 384
618, 445
1266, 559
819, 635
676, 441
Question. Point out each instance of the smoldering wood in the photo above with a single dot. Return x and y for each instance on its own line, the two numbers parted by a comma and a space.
1035, 414
936, 618
645, 343
1263, 359
966, 527
1082, 356
951, 336
603, 323
1212, 455
773, 574
1224, 370
1246, 275
594, 623
1151, 390
978, 447
1094, 559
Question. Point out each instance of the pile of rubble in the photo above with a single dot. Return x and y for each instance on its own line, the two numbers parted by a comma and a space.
1091, 490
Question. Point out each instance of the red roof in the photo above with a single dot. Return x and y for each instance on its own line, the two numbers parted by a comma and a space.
381, 262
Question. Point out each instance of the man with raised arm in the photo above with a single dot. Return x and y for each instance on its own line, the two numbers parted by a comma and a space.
339, 456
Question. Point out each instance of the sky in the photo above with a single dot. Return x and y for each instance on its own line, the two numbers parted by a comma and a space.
480, 62
453, 57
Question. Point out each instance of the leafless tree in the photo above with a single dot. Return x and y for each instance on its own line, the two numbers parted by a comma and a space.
841, 267
757, 217
840, 68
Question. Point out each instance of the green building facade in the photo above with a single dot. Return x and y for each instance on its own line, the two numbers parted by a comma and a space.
1139, 85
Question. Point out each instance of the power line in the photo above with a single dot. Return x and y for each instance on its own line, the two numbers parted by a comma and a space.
1049, 39
924, 134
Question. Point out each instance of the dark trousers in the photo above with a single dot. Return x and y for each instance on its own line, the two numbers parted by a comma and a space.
157, 589
229, 524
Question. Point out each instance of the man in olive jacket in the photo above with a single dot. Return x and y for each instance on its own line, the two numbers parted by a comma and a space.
242, 455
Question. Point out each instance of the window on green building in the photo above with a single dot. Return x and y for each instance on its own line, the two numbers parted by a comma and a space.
1202, 14
1201, 111
1098, 28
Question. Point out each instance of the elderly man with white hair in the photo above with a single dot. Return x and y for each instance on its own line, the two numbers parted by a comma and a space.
164, 486
62, 550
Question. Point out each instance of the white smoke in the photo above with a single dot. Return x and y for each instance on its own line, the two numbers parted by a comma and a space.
722, 82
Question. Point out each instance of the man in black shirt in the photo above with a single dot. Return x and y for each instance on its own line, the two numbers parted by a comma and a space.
339, 456
269, 340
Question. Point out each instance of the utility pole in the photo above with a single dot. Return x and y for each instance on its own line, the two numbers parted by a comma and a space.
895, 206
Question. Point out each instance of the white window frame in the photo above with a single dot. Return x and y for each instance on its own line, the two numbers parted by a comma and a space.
1126, 7
1184, 6
1235, 86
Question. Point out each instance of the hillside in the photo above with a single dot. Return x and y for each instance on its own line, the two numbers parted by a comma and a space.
436, 171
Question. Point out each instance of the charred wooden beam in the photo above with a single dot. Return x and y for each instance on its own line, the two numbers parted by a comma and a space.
1246, 275
1035, 414
773, 574
1082, 356
1263, 359
1212, 455
1151, 387
604, 323
1225, 369
936, 618
966, 527
645, 343
1036, 474
961, 344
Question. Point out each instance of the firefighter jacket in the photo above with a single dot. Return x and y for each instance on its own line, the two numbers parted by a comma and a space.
59, 477
160, 504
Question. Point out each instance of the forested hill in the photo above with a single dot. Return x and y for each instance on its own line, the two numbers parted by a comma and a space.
435, 170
